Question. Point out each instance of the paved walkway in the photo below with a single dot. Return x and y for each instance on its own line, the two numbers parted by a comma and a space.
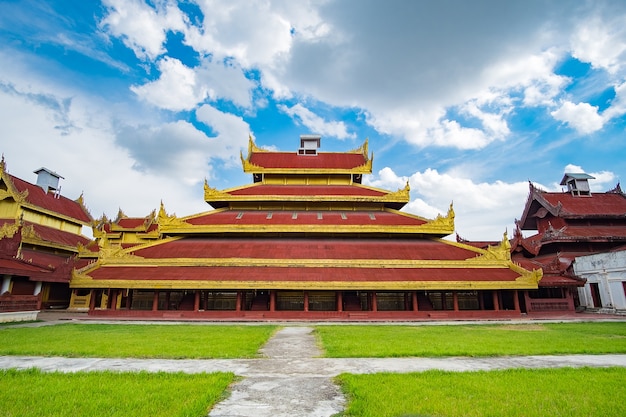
292, 379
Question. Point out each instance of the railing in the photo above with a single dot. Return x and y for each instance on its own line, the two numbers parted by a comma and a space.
549, 305
19, 303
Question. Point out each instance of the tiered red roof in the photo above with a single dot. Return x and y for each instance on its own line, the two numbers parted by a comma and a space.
315, 218
418, 249
51, 202
323, 160
57, 236
302, 277
307, 190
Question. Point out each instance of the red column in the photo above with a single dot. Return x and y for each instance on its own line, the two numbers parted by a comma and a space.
92, 299
238, 301
443, 300
414, 296
481, 300
167, 300
306, 301
455, 300
339, 300
272, 300
196, 301
496, 304
113, 299
515, 300
155, 301
374, 302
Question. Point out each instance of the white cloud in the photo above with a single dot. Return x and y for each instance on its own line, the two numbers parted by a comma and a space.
250, 31
483, 210
182, 88
582, 116
141, 27
601, 42
618, 105
176, 89
315, 123
87, 156
232, 133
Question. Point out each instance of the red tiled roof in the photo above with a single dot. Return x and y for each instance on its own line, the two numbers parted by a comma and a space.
355, 218
22, 268
600, 204
323, 160
131, 222
52, 235
43, 258
60, 204
301, 274
308, 190
307, 249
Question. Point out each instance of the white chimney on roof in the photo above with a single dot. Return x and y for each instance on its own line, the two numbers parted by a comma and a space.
48, 180
309, 144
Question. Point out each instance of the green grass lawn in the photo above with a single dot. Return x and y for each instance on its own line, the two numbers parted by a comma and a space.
33, 393
590, 392
136, 340
472, 340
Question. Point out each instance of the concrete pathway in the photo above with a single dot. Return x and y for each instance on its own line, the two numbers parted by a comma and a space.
287, 384
292, 379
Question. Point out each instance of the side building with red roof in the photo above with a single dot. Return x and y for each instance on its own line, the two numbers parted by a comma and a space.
306, 239
40, 235
568, 225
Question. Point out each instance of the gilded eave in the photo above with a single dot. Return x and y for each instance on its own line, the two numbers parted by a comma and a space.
440, 226
250, 168
213, 195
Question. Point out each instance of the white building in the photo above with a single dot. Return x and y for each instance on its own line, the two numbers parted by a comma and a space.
606, 280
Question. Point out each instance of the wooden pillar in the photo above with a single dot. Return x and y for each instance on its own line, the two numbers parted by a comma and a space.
455, 300
272, 300
238, 301
306, 301
481, 300
414, 297
113, 299
129, 299
496, 304
243, 300
206, 300
196, 301
515, 300
339, 301
167, 299
155, 301
443, 300
374, 301
92, 299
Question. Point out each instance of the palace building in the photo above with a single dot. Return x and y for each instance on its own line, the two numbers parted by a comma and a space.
40, 235
569, 225
304, 240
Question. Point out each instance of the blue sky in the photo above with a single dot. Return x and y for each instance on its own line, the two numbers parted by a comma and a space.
135, 102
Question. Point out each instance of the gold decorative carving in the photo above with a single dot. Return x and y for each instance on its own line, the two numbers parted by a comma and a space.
443, 223
212, 194
28, 232
166, 220
403, 194
9, 229
500, 252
